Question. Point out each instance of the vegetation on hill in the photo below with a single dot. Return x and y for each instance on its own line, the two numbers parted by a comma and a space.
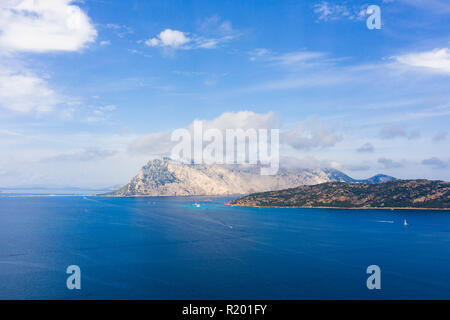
391, 194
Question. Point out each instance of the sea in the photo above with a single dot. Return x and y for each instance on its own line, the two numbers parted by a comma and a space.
201, 248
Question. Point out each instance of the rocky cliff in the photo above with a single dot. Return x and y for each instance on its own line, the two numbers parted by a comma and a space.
164, 177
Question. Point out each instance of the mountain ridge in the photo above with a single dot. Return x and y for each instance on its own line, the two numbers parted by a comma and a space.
166, 177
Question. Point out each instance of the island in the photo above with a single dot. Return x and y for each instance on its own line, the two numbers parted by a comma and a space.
400, 194
167, 177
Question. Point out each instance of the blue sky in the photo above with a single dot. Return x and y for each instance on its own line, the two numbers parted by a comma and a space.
90, 90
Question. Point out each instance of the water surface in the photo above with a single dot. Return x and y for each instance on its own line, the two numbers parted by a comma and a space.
168, 248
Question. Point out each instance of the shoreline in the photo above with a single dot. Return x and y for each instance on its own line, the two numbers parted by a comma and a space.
228, 204
6, 195
342, 208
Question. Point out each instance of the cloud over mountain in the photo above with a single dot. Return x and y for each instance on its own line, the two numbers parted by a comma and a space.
435, 163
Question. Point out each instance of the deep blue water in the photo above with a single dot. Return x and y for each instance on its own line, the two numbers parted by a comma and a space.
166, 248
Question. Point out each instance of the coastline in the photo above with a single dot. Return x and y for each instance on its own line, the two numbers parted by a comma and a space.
228, 204
337, 208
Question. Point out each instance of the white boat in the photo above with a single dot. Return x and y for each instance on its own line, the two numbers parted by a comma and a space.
405, 223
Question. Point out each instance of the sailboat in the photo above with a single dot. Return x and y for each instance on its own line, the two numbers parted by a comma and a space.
405, 223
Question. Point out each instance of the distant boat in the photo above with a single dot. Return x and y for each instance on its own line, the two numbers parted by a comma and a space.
405, 223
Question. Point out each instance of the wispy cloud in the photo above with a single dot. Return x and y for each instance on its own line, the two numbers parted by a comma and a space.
289, 59
139, 52
302, 81
441, 136
437, 6
299, 58
366, 148
119, 30
356, 167
437, 60
312, 134
435, 163
300, 69
24, 91
389, 163
89, 154
99, 114
326, 11
175, 39
396, 131
215, 25
214, 33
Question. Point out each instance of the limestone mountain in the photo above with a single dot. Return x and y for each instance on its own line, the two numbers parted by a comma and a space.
165, 177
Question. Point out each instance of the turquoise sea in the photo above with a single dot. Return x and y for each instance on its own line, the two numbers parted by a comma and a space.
171, 248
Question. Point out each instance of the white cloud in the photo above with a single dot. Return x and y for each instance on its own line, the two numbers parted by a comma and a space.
176, 39
37, 26
243, 120
40, 26
169, 38
311, 134
159, 143
23, 91
437, 60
